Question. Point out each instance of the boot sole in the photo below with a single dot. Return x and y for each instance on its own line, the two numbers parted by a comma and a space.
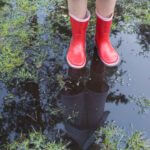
74, 66
109, 65
112, 64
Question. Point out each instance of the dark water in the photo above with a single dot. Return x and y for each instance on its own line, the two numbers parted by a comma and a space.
118, 93
134, 83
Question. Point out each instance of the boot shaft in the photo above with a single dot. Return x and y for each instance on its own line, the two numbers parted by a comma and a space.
103, 28
79, 26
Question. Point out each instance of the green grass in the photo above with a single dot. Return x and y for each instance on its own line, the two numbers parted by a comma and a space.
20, 34
137, 142
35, 141
112, 137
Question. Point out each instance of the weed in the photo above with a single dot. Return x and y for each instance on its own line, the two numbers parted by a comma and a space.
137, 142
112, 137
36, 141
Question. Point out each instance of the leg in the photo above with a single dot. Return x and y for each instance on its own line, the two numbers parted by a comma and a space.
104, 12
77, 8
105, 7
79, 17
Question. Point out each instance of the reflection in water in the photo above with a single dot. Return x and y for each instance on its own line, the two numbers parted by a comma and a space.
117, 98
144, 37
83, 103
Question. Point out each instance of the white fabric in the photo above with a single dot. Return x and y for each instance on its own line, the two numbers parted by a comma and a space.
104, 18
88, 15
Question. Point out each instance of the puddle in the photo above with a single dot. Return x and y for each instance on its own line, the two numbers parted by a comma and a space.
134, 84
120, 94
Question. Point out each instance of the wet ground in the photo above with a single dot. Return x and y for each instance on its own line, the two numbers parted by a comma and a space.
28, 105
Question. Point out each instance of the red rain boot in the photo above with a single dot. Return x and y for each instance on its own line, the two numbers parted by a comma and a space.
106, 52
76, 55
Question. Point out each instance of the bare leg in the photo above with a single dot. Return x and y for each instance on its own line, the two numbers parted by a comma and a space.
105, 8
77, 8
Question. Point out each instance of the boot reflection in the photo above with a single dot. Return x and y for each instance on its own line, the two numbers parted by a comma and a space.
96, 95
83, 104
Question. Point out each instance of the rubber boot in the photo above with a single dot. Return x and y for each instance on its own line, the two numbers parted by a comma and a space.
106, 52
76, 55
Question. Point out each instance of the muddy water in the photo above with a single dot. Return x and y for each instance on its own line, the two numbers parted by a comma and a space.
30, 105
